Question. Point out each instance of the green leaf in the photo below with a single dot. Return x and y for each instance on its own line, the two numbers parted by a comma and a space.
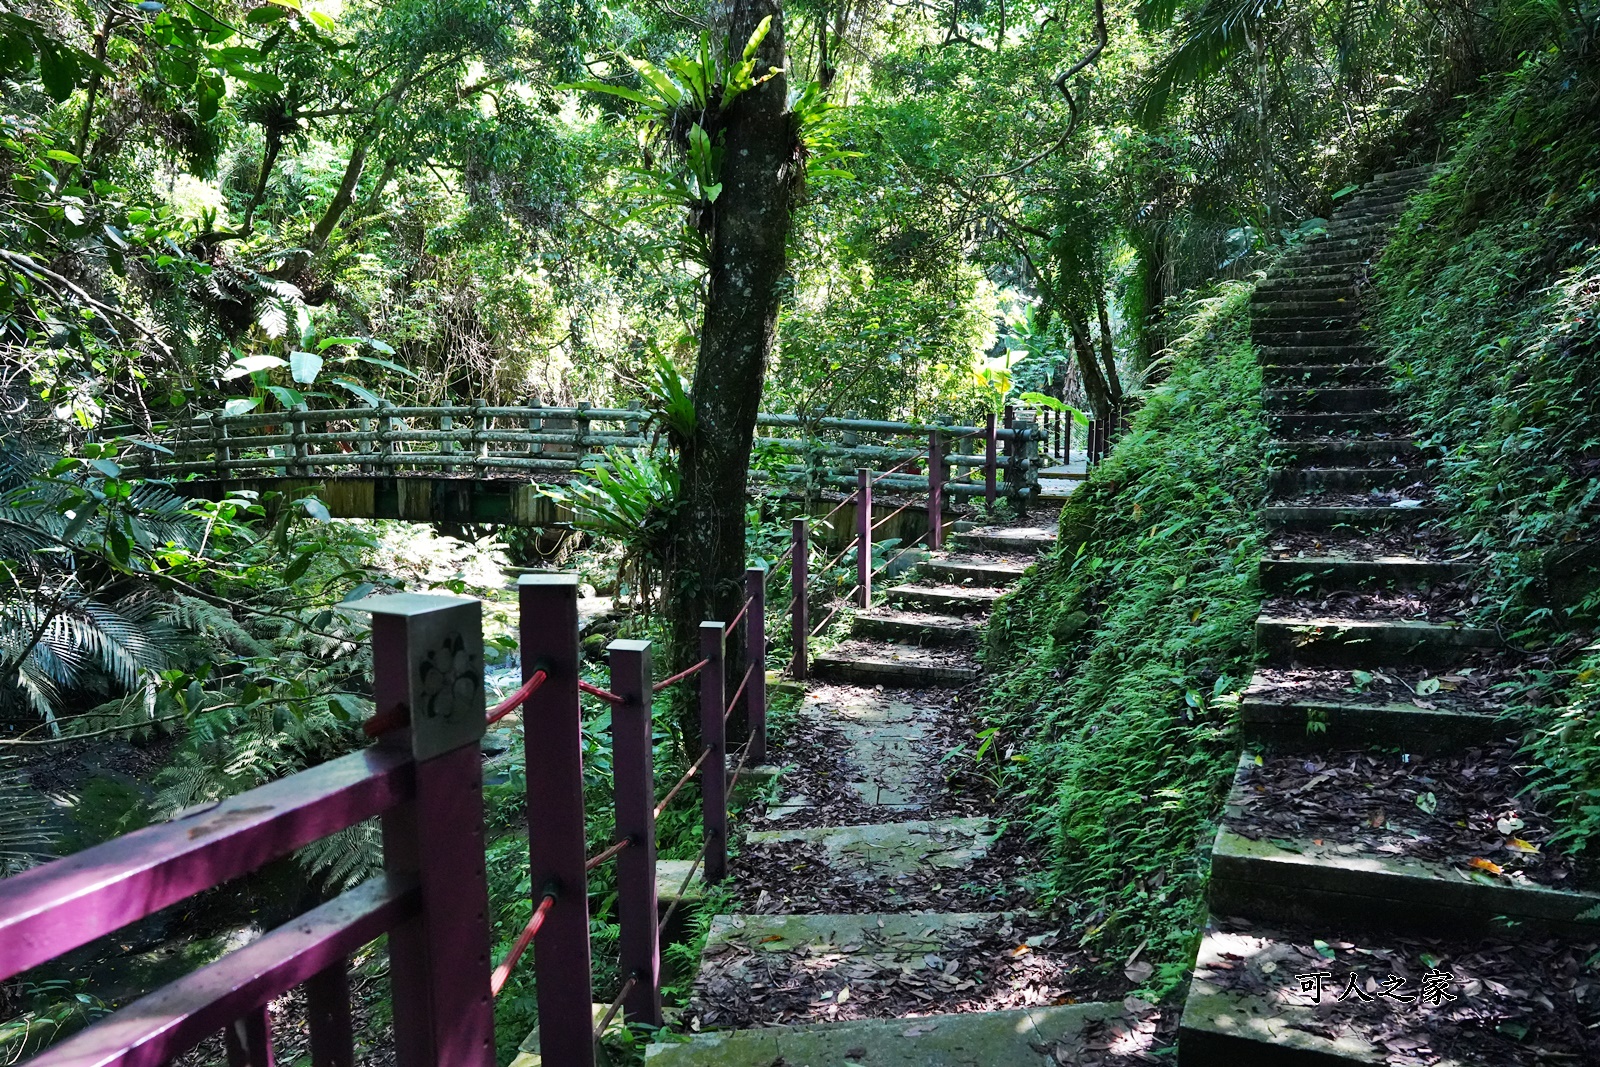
1428, 802
62, 157
361, 392
251, 365
315, 508
304, 366
241, 405
302, 562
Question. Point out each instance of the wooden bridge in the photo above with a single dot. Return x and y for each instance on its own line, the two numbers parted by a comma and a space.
477, 463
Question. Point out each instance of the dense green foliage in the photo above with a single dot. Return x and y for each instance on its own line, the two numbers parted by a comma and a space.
1488, 297
1119, 659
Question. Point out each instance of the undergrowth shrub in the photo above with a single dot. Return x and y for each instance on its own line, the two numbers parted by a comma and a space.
1119, 659
1487, 299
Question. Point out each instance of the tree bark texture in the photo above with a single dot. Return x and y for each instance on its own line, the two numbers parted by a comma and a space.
706, 533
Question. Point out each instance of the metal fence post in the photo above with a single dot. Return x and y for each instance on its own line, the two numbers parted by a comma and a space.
864, 534
989, 460
386, 426
633, 769
427, 664
552, 737
800, 617
714, 736
935, 490
755, 654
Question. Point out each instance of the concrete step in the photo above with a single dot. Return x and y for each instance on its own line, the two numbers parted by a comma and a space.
915, 628
1276, 335
1327, 641
1300, 306
880, 851
1245, 1007
945, 599
1019, 540
1300, 268
1021, 1037
1345, 451
1290, 425
1277, 717
894, 666
1315, 291
1356, 519
1366, 876
1293, 481
1284, 375
950, 571
1325, 573
1352, 398
1303, 882
1318, 355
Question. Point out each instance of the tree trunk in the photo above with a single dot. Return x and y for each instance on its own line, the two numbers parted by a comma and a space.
1095, 388
750, 227
1108, 353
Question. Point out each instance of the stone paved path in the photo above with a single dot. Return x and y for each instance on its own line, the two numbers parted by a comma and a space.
876, 816
1374, 829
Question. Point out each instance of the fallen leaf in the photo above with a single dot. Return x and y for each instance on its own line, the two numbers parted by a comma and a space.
1481, 864
1138, 972
1428, 802
844, 995
1517, 844
1509, 826
1020, 950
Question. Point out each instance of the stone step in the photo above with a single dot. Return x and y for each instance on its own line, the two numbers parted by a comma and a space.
829, 952
1310, 879
895, 666
1327, 641
1368, 226
1315, 291
915, 628
1302, 882
1318, 355
1351, 398
1245, 1007
1294, 305
1344, 451
1273, 335
946, 599
1281, 375
1020, 1037
888, 850
1289, 425
1020, 540
1284, 270
1278, 717
1332, 258
1305, 573
1294, 481
1304, 518
971, 572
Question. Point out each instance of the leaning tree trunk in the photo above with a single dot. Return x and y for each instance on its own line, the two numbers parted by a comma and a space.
706, 536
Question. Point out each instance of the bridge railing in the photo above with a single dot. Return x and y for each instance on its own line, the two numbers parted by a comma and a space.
485, 441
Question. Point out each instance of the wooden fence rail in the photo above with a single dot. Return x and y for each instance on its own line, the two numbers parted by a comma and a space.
514, 442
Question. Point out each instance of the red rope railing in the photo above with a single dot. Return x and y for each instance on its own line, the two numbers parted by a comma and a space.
683, 887
502, 973
740, 617
739, 692
891, 515
611, 1012
680, 676
609, 853
514, 701
595, 691
688, 774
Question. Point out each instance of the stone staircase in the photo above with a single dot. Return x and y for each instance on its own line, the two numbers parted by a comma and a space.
1376, 826
864, 846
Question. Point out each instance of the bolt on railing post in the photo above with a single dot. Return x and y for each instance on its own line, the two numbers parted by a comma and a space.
989, 460
935, 490
714, 735
552, 738
633, 771
864, 534
427, 661
799, 578
755, 655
